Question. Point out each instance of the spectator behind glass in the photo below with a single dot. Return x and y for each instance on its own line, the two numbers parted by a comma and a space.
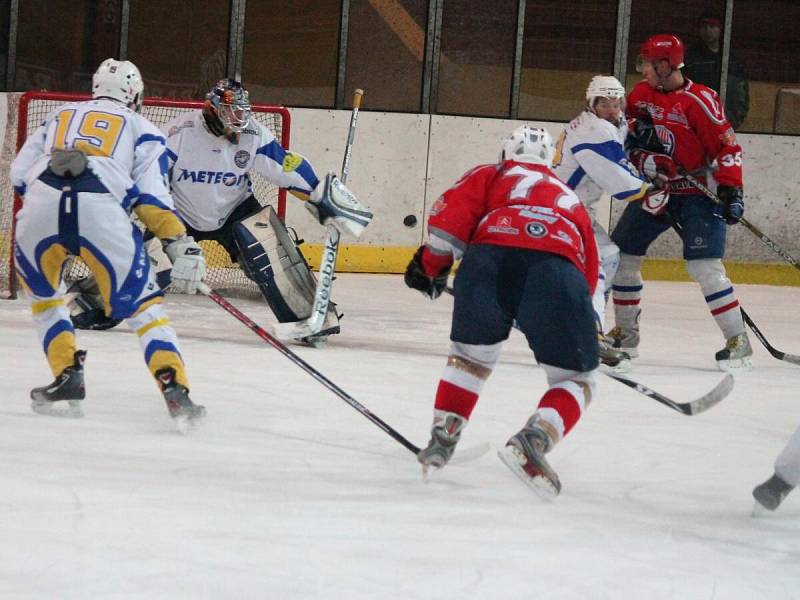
704, 65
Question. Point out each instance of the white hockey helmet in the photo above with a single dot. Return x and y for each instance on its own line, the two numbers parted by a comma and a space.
120, 80
603, 86
529, 144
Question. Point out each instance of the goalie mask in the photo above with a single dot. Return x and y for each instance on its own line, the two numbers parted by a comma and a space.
119, 80
227, 108
529, 145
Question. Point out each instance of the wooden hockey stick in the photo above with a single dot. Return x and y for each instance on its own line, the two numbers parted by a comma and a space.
280, 347
322, 295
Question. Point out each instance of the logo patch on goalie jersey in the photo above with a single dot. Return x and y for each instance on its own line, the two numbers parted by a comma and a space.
241, 158
291, 162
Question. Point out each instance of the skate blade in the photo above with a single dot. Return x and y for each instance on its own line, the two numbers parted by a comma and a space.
623, 366
184, 424
72, 410
541, 486
736, 365
760, 511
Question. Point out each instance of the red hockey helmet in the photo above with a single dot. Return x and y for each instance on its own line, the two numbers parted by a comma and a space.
664, 46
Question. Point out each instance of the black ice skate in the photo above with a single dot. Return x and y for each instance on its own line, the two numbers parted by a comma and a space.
445, 433
180, 406
524, 455
735, 356
68, 387
616, 360
771, 493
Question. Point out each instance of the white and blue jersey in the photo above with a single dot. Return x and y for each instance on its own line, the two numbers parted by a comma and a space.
591, 160
209, 174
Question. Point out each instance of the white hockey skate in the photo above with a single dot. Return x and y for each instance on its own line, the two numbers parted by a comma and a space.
445, 433
735, 356
525, 453
624, 340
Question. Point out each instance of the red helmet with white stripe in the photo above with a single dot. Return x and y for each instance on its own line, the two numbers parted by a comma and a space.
664, 46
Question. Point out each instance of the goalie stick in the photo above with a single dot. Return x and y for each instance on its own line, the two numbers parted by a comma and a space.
322, 295
280, 347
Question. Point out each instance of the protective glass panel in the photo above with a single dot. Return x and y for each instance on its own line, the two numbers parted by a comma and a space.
386, 51
290, 52
5, 9
766, 47
477, 54
565, 44
180, 47
682, 18
60, 43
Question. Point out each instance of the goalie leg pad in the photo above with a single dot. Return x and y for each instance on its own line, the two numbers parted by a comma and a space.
270, 257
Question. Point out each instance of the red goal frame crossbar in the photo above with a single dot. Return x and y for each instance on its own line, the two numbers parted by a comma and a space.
22, 133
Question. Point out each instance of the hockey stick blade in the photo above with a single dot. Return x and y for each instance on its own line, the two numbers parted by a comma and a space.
792, 358
696, 406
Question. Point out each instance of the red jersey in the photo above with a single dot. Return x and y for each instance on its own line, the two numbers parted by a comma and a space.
691, 124
514, 204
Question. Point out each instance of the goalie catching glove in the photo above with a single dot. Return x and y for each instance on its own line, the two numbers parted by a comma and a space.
188, 264
428, 272
332, 203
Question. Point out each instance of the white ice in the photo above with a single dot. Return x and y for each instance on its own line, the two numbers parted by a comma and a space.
287, 492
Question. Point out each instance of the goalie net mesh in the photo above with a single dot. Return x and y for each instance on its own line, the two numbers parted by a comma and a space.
223, 275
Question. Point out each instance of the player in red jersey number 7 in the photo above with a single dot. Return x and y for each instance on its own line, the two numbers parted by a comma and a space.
529, 255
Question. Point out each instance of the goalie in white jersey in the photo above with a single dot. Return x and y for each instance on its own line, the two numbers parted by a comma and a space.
212, 153
80, 175
590, 158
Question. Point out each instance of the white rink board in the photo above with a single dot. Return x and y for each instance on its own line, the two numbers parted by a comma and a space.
397, 170
387, 169
460, 143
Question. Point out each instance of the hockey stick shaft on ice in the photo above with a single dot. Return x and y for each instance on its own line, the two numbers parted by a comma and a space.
322, 294
698, 405
280, 347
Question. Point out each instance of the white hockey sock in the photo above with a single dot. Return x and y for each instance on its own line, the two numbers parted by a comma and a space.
627, 291
719, 294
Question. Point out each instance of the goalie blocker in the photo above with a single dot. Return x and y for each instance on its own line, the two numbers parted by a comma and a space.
269, 256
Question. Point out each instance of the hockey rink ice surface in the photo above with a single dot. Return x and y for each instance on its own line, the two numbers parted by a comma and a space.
287, 492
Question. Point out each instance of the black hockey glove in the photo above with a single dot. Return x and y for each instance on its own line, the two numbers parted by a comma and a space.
733, 203
642, 136
417, 279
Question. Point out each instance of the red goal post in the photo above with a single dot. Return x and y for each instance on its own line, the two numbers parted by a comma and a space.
222, 274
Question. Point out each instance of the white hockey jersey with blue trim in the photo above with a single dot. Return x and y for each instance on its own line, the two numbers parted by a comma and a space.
591, 160
125, 150
210, 174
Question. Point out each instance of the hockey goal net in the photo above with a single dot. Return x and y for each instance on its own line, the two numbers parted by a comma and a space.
223, 275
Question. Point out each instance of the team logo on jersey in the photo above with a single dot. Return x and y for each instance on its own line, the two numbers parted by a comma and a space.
536, 230
241, 158
291, 162
212, 177
676, 115
667, 139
